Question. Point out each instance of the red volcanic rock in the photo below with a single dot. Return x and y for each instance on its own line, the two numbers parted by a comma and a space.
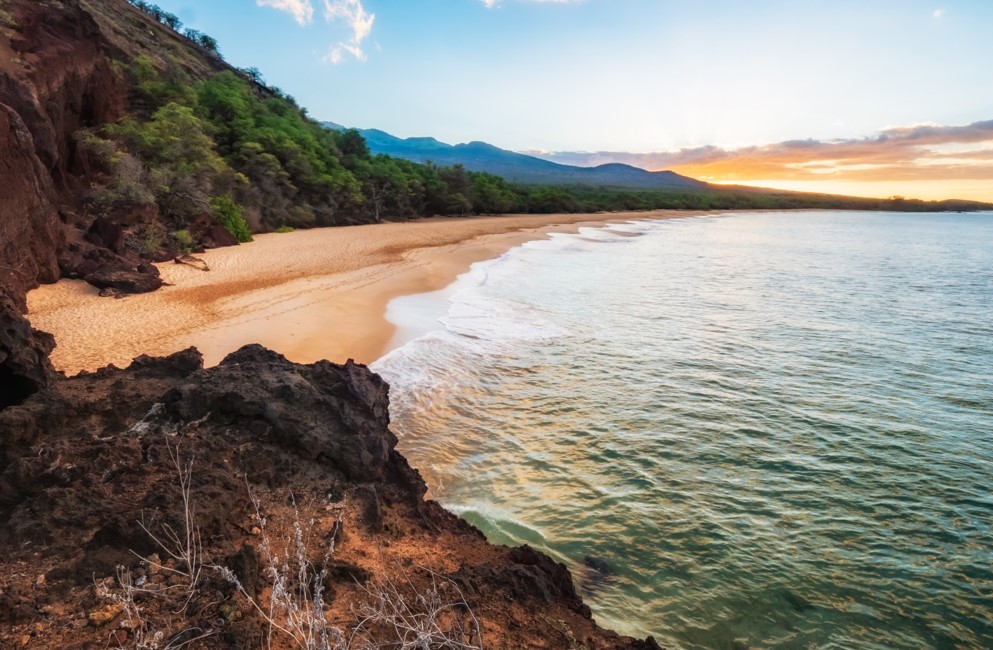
87, 460
126, 281
30, 232
55, 78
24, 365
218, 237
105, 234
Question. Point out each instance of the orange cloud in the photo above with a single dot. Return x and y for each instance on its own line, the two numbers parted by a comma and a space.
957, 157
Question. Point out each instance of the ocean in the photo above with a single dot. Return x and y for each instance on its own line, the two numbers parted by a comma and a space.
769, 430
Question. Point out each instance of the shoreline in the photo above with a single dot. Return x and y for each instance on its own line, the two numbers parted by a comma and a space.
308, 294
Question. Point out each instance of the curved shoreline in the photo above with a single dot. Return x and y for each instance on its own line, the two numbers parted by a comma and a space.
309, 294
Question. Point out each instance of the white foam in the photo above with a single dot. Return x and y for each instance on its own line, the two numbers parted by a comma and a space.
436, 330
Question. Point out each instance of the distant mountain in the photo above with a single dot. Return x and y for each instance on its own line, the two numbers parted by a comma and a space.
521, 168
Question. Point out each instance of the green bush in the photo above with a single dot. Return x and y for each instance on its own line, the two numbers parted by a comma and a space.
183, 239
284, 229
232, 217
151, 236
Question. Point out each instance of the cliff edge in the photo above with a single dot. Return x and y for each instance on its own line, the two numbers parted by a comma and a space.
217, 506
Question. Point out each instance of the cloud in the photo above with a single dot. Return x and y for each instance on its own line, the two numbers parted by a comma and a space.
351, 12
914, 152
938, 13
301, 10
360, 23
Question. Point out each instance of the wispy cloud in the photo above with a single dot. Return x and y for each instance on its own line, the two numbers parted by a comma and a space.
358, 21
301, 10
938, 13
901, 153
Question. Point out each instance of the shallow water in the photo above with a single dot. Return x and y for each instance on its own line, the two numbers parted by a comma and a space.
769, 430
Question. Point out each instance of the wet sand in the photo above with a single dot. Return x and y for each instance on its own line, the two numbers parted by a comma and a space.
308, 294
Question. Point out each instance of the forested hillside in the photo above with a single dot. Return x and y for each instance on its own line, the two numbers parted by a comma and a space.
228, 147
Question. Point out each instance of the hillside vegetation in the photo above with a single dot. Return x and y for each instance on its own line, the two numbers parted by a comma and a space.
228, 146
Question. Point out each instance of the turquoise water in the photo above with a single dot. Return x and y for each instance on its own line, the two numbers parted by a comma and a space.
762, 431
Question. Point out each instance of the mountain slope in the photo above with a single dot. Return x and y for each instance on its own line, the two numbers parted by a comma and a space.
521, 168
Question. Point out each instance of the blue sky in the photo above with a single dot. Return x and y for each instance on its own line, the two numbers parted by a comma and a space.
638, 76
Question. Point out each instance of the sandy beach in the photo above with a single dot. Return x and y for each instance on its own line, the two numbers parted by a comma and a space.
308, 294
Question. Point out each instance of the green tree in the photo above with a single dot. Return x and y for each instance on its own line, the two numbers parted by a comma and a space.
232, 217
184, 168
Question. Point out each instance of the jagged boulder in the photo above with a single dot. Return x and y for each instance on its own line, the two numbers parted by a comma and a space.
105, 234
338, 413
24, 365
123, 280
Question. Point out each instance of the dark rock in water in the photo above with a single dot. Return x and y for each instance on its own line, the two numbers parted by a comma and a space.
598, 564
796, 601
596, 575
126, 281
24, 365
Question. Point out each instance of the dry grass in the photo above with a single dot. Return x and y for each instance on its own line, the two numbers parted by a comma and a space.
389, 614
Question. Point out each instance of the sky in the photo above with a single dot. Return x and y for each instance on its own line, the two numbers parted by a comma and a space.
864, 97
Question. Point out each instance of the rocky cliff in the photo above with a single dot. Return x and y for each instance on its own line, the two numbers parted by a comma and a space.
56, 76
288, 480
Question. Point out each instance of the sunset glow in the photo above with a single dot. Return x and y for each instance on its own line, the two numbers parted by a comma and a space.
925, 161
924, 189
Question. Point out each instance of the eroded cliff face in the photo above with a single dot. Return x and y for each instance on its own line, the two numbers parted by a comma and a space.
91, 481
60, 80
30, 237
55, 78
29, 224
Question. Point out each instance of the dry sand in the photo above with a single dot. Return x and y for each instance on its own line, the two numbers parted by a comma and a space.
308, 294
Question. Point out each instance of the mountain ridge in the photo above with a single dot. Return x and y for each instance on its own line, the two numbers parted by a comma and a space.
516, 167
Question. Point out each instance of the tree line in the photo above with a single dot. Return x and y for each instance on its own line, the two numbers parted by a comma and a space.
173, 22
